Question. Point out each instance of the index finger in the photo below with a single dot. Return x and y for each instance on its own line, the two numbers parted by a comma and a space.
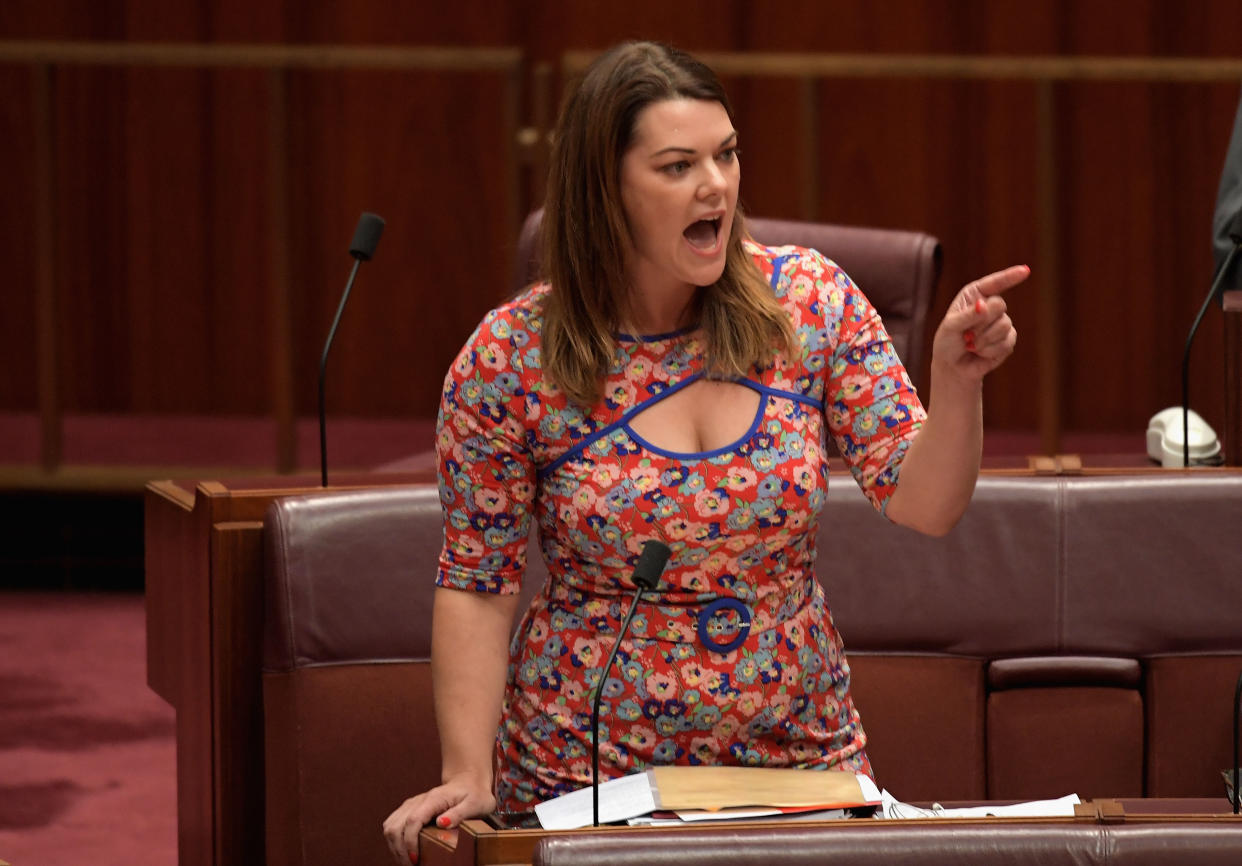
402, 827
999, 281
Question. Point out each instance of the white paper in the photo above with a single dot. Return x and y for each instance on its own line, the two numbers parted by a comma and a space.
619, 799
870, 793
650, 821
1061, 807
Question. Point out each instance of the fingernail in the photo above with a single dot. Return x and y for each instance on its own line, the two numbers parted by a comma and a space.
969, 337
443, 821
980, 306
413, 856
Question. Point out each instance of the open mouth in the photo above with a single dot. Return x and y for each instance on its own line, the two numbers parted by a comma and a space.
702, 234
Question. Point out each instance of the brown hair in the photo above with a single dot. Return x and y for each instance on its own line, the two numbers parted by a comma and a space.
585, 231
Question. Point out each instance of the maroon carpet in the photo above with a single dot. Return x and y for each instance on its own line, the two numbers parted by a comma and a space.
87, 755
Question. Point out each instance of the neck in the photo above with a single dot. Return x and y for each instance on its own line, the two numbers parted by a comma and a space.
661, 310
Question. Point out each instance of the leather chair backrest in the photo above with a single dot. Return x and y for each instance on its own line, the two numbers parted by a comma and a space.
350, 576
1127, 566
1037, 566
897, 271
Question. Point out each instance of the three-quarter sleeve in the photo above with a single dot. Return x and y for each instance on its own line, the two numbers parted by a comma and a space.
872, 409
486, 471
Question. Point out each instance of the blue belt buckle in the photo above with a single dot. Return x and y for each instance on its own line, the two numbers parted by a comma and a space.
710, 611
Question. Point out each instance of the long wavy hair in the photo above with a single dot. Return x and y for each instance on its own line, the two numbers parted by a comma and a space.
586, 235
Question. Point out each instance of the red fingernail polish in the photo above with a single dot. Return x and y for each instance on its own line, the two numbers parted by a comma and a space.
980, 306
443, 821
413, 856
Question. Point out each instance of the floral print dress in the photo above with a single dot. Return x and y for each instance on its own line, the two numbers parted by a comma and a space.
734, 658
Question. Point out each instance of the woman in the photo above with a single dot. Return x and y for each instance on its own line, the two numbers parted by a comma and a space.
671, 380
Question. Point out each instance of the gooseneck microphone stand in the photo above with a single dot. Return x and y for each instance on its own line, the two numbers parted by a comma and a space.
362, 248
1237, 734
647, 571
1235, 235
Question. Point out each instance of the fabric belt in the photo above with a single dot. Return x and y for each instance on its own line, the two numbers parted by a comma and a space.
720, 624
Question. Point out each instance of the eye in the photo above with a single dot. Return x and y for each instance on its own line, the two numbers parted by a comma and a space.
676, 169
729, 154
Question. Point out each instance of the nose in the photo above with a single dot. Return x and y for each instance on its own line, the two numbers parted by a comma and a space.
713, 182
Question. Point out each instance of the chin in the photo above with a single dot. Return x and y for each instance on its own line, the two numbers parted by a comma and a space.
704, 273
708, 277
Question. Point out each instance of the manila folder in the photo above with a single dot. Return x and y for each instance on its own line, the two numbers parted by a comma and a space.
729, 787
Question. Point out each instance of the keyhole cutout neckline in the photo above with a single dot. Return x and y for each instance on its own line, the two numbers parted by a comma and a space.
699, 418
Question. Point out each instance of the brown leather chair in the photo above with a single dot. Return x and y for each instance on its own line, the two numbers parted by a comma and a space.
896, 270
340, 665
349, 727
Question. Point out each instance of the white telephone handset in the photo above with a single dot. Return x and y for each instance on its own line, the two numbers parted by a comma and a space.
1165, 440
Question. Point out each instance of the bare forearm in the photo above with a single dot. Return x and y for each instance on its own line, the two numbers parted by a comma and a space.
938, 475
469, 657
941, 466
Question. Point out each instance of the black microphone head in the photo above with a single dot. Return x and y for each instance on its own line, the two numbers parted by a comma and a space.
1235, 228
366, 236
651, 562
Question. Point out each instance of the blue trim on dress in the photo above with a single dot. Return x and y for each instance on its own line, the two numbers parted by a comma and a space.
777, 264
654, 338
620, 422
777, 392
822, 405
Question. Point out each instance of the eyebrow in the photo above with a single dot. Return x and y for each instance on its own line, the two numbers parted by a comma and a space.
731, 136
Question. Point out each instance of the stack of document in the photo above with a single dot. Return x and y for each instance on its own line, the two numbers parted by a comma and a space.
1061, 807
677, 794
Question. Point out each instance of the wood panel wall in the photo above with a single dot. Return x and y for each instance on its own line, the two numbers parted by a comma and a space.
178, 194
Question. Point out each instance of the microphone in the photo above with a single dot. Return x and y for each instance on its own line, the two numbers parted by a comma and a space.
362, 248
647, 571
1237, 734
1235, 235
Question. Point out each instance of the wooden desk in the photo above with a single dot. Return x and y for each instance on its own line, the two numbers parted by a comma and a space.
204, 599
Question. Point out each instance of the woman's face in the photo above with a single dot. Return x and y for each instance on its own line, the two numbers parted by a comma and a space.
679, 183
